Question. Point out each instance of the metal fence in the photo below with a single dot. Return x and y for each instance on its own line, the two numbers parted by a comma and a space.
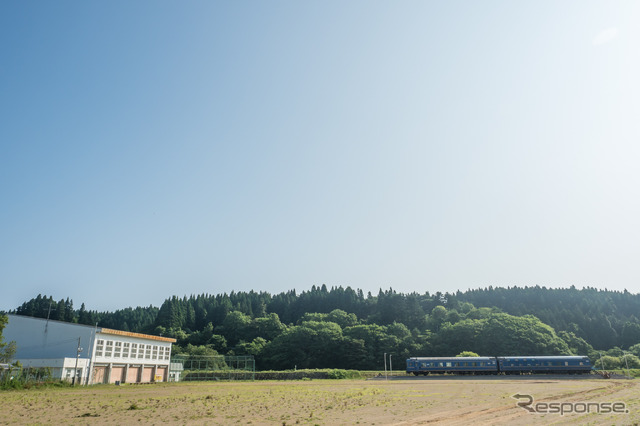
11, 376
202, 368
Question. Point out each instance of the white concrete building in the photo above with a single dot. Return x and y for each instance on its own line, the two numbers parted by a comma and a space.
90, 354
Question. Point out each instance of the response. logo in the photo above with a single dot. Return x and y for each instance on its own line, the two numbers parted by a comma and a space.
526, 402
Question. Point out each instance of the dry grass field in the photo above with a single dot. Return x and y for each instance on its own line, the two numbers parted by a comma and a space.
399, 402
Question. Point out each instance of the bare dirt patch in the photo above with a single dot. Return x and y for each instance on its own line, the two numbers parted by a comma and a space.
319, 402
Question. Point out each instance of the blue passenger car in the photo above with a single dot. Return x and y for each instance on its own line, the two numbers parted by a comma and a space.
544, 364
455, 365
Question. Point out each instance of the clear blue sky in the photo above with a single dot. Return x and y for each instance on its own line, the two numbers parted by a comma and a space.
153, 148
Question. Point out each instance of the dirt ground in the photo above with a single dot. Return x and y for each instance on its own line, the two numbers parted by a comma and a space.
381, 402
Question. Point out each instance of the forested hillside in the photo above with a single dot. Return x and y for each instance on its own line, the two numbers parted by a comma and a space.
344, 328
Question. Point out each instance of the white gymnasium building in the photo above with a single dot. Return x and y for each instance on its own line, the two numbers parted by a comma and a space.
90, 354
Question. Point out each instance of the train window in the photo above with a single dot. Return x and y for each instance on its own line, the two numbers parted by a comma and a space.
566, 363
581, 364
448, 364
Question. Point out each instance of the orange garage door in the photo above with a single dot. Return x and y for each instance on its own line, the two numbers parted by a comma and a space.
99, 374
116, 374
147, 374
161, 374
133, 374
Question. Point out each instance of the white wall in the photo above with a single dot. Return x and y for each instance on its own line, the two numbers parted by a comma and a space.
61, 368
129, 359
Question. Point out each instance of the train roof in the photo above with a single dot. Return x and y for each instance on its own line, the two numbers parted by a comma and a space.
484, 358
565, 357
459, 358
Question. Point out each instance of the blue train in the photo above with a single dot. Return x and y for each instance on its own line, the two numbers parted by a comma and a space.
500, 365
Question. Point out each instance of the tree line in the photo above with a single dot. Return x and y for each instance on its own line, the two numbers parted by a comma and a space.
344, 328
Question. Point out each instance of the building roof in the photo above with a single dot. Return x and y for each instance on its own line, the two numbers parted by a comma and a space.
97, 329
139, 335
45, 320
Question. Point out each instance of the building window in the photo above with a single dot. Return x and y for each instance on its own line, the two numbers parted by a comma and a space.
167, 353
118, 350
125, 350
147, 354
109, 350
161, 352
99, 347
134, 350
155, 352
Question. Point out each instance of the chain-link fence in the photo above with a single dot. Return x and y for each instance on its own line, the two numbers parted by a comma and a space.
18, 377
201, 368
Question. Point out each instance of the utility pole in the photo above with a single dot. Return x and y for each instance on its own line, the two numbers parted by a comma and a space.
75, 372
385, 367
390, 364
91, 354
46, 325
627, 364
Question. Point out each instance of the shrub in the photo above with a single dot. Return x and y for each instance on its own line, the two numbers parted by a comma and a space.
308, 374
